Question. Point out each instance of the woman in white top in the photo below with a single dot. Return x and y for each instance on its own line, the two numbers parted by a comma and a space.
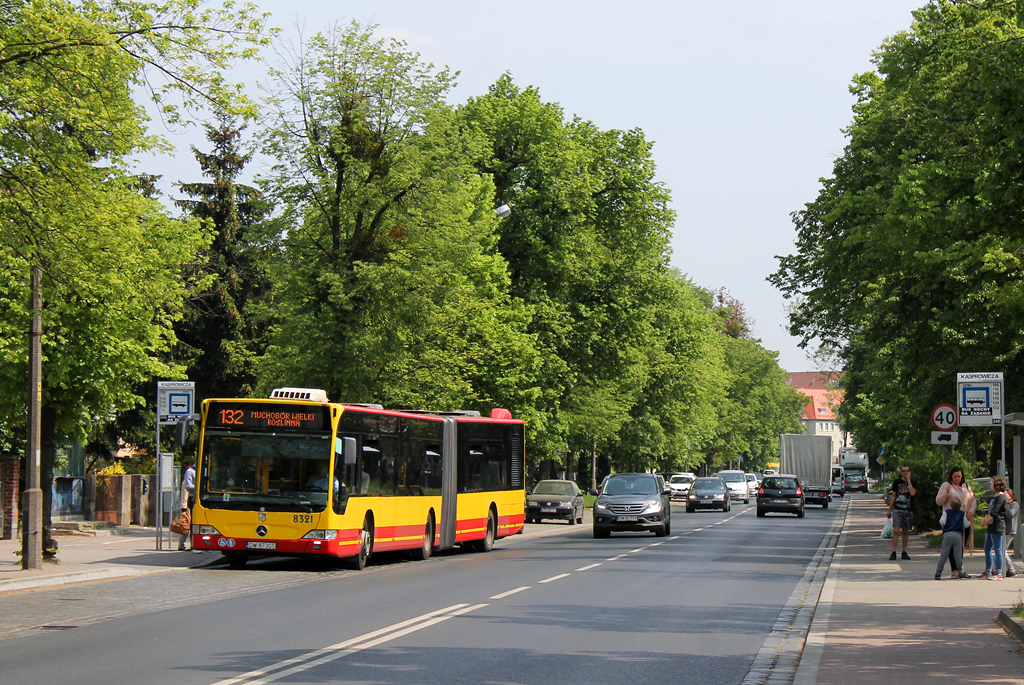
956, 488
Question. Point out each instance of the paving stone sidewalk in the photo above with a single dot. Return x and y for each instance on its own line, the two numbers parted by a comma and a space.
892, 621
130, 552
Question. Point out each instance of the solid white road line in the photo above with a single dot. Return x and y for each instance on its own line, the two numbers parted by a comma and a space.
554, 578
339, 646
503, 595
587, 568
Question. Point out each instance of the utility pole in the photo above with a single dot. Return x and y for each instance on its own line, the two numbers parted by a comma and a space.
32, 504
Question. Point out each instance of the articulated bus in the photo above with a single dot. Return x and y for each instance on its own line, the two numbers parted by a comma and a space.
297, 475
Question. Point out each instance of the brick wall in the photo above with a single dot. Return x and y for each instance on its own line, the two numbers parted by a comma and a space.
9, 496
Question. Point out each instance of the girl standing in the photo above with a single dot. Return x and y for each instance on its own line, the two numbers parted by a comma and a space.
956, 487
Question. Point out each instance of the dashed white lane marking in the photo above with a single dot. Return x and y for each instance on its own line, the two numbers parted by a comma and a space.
322, 656
554, 578
510, 592
674, 537
656, 544
634, 551
585, 568
615, 558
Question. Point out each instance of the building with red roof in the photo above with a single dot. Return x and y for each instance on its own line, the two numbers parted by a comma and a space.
825, 395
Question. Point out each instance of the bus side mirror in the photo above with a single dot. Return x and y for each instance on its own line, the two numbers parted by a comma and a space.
349, 447
181, 432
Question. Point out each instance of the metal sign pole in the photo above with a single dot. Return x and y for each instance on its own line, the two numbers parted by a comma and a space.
158, 496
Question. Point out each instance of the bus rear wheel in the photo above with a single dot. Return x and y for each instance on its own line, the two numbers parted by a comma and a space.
357, 562
427, 548
487, 543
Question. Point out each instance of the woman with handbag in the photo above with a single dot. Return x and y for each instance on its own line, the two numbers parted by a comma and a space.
956, 487
188, 489
995, 519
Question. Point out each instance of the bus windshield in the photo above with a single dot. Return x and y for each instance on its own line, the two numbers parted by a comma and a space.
278, 471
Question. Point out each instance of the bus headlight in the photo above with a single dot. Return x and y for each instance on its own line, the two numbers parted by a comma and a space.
198, 529
320, 535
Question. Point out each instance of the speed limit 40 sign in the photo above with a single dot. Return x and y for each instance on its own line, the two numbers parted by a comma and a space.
944, 417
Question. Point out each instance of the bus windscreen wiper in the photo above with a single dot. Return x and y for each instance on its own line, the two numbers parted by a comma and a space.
306, 506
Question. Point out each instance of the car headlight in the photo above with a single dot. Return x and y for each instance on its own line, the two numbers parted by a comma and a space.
320, 535
565, 504
719, 496
652, 505
599, 505
693, 496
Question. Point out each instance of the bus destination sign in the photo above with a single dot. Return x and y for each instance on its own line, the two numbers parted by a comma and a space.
266, 416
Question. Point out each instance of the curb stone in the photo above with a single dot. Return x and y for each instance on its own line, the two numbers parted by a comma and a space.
1013, 625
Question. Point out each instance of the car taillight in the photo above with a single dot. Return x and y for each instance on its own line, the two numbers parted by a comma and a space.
760, 491
799, 491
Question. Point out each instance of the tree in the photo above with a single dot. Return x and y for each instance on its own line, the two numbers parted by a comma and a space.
110, 256
908, 259
586, 246
224, 330
387, 256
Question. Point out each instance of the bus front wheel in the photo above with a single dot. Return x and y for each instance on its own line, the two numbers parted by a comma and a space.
237, 559
357, 562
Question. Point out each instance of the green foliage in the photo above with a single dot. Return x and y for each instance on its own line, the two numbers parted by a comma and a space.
387, 253
224, 329
908, 261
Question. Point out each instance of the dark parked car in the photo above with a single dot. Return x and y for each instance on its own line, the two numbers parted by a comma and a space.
782, 494
631, 502
856, 481
708, 493
555, 499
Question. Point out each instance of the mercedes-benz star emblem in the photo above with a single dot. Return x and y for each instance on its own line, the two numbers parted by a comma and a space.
261, 530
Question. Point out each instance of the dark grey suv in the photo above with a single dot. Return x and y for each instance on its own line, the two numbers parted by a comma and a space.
632, 502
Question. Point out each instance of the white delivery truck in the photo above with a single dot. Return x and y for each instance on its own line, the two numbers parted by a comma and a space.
855, 466
809, 458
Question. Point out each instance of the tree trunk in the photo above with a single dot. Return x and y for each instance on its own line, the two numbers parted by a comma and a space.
47, 454
593, 467
570, 465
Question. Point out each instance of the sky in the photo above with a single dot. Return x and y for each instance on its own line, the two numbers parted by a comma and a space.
746, 102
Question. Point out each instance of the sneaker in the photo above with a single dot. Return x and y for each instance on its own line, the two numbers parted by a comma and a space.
954, 575
1011, 574
938, 576
892, 557
995, 577
906, 557
197, 551
181, 548
984, 575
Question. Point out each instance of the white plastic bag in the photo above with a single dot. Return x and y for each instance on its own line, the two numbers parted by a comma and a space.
942, 519
887, 529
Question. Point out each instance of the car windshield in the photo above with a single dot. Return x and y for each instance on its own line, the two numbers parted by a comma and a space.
286, 472
780, 483
732, 477
681, 479
640, 485
547, 487
751, 476
707, 484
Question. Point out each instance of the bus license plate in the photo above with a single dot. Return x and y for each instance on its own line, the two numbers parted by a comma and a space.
627, 518
260, 545
547, 511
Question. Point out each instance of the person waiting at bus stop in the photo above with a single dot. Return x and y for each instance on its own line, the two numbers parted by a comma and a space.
188, 501
901, 509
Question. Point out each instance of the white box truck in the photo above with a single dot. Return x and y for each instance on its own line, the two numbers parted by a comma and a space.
855, 466
809, 458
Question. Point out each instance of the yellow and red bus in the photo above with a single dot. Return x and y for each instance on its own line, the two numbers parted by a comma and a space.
297, 475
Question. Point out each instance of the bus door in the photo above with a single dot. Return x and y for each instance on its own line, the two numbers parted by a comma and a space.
449, 483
